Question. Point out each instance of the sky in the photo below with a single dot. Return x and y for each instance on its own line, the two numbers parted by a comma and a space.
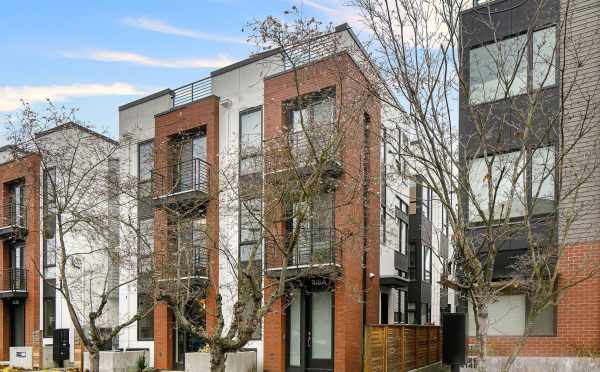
95, 56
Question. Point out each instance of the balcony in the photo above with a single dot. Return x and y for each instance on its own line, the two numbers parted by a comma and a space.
181, 183
183, 269
303, 151
13, 221
315, 252
13, 283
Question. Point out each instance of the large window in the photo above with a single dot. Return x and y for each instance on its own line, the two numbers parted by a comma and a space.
508, 317
251, 142
508, 186
49, 307
403, 236
412, 262
49, 218
499, 70
544, 55
145, 325
251, 243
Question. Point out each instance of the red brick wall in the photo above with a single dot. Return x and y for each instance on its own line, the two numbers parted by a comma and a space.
27, 168
352, 103
202, 113
577, 312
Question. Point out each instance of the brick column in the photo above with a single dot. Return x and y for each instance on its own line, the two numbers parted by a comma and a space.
163, 337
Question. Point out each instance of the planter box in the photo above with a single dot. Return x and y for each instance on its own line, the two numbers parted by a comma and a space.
116, 361
21, 357
243, 361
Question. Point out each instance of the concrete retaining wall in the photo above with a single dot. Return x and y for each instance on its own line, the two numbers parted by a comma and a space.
243, 361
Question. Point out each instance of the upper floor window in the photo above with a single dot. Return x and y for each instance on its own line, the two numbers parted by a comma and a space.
50, 210
145, 160
403, 236
427, 202
507, 181
499, 70
251, 142
427, 264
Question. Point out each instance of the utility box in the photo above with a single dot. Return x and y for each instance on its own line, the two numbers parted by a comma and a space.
454, 335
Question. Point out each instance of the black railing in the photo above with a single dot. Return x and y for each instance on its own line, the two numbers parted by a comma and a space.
192, 92
14, 215
179, 177
310, 246
12, 280
187, 263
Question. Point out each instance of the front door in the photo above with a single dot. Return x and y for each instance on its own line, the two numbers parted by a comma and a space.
17, 323
310, 330
184, 341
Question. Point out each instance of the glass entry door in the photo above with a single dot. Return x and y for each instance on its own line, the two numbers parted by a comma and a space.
310, 330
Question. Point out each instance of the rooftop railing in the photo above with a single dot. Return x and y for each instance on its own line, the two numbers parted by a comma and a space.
192, 92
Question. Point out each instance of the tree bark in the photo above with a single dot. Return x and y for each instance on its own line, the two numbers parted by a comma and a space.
94, 361
483, 326
217, 360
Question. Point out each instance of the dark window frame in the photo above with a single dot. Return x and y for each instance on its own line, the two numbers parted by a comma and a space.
258, 154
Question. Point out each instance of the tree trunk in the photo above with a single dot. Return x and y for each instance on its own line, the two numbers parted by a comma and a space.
482, 335
94, 361
217, 360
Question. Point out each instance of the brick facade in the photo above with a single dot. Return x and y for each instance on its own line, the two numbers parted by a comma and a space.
352, 102
198, 114
27, 169
577, 315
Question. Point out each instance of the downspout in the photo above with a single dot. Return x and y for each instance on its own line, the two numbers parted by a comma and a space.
365, 210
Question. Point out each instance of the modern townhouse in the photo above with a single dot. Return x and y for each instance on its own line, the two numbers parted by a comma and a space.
188, 146
552, 48
34, 314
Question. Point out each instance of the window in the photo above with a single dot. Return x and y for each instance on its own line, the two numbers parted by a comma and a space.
403, 236
49, 218
544, 55
314, 222
544, 324
425, 313
427, 264
498, 70
508, 194
403, 207
411, 313
427, 199
314, 122
412, 262
402, 306
251, 142
49, 304
445, 229
145, 326
251, 242
542, 180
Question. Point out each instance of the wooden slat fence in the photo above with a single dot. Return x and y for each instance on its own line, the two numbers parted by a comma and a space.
401, 347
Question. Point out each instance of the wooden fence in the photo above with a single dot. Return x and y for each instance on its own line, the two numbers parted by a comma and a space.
401, 347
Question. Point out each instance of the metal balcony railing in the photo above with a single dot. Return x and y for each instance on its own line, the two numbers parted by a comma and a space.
304, 148
14, 215
13, 280
187, 263
180, 177
192, 92
310, 247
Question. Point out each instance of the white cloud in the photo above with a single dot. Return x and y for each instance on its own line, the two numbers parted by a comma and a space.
11, 96
338, 11
165, 28
135, 58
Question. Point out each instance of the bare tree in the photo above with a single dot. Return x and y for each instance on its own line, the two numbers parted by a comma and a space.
88, 232
515, 168
284, 198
